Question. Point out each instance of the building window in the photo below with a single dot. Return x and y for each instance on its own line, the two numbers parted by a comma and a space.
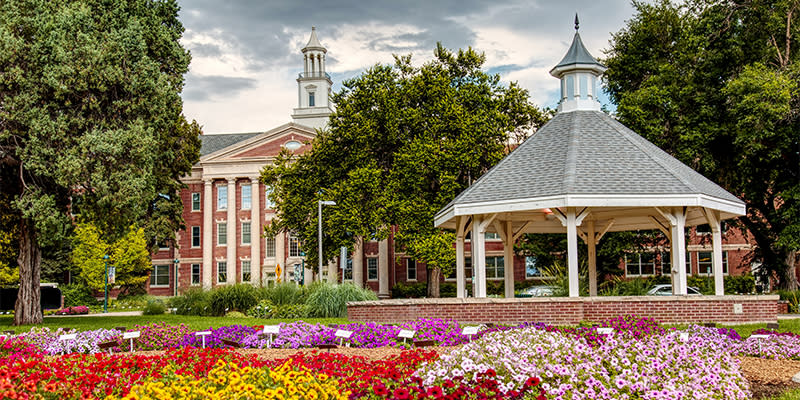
245, 233
705, 263
247, 196
640, 264
159, 276
246, 271
491, 236
222, 197
195, 236
348, 270
705, 229
411, 269
222, 272
268, 204
269, 252
195, 201
294, 245
372, 269
311, 99
531, 269
495, 268
467, 270
222, 234
195, 274
666, 264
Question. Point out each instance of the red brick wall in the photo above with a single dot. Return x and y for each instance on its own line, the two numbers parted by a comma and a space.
665, 309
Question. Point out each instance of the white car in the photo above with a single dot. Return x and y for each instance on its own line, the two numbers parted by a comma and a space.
666, 290
537, 291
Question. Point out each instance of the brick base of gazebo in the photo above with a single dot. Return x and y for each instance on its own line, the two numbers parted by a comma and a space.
571, 310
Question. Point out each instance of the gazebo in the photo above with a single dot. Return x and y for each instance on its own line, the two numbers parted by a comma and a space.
585, 174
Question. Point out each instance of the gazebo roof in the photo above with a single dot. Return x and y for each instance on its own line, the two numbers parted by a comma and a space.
589, 159
577, 54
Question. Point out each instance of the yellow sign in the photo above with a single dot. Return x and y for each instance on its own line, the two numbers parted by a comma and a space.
278, 273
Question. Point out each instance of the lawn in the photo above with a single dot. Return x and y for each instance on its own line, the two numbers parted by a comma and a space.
110, 322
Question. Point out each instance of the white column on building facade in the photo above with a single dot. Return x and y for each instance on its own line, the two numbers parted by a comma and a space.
677, 219
508, 259
233, 263
383, 269
208, 233
358, 262
591, 244
461, 284
333, 271
713, 218
255, 232
280, 256
477, 246
572, 253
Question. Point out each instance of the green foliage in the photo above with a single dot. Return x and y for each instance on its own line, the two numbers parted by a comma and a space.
266, 309
235, 314
192, 302
239, 297
129, 255
154, 307
78, 295
410, 139
619, 286
330, 301
793, 297
9, 242
286, 293
740, 284
715, 84
411, 290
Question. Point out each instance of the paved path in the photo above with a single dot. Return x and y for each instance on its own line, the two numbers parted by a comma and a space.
110, 314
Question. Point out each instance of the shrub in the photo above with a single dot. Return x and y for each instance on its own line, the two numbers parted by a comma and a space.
77, 310
740, 284
235, 314
133, 301
265, 309
239, 297
261, 310
410, 290
154, 307
330, 301
78, 295
286, 293
192, 302
793, 297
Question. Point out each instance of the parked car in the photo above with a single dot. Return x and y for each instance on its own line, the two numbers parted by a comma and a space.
666, 290
537, 291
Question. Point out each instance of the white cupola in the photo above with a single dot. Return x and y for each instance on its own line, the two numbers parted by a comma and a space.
579, 73
313, 86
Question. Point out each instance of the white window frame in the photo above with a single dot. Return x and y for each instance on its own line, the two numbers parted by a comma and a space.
155, 276
495, 268
269, 247
639, 264
222, 201
294, 246
710, 263
312, 99
372, 265
268, 204
411, 264
248, 270
467, 271
198, 274
247, 233
247, 200
222, 232
221, 264
196, 201
198, 236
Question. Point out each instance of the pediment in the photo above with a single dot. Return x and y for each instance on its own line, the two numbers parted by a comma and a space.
266, 145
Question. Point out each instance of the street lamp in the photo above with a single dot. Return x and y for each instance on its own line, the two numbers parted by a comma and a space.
105, 298
175, 283
321, 203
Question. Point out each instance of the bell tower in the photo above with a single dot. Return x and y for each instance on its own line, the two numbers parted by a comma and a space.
313, 86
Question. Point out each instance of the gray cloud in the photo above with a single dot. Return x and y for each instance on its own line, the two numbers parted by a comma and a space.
203, 88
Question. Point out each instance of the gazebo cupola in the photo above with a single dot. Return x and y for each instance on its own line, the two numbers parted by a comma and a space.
579, 73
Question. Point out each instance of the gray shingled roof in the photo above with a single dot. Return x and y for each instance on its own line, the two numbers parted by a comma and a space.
577, 54
212, 143
587, 152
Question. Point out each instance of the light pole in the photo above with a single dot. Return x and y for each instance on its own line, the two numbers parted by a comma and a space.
175, 283
321, 203
105, 298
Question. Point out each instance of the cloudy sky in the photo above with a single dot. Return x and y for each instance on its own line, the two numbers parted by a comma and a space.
246, 53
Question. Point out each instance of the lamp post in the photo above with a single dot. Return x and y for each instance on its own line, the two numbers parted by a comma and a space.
175, 283
321, 203
105, 286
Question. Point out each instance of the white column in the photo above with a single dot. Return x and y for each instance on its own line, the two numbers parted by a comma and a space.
233, 263
255, 231
716, 257
478, 256
383, 269
590, 243
461, 284
508, 260
572, 253
333, 271
679, 249
358, 262
208, 233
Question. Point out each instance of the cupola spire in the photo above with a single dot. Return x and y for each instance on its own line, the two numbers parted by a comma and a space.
577, 23
313, 86
579, 72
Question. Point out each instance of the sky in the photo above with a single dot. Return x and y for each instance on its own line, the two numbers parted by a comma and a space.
246, 53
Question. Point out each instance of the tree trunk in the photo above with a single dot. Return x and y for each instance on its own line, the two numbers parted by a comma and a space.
433, 282
791, 270
28, 309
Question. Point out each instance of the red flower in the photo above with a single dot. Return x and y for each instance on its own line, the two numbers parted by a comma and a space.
401, 393
490, 372
436, 392
532, 381
380, 390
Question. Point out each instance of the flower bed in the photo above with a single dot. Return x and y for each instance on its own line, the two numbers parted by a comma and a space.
77, 310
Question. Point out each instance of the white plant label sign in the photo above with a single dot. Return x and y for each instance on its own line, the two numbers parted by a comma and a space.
469, 330
341, 333
131, 335
70, 336
273, 329
406, 334
605, 331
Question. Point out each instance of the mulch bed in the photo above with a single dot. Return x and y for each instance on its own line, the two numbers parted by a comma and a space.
769, 378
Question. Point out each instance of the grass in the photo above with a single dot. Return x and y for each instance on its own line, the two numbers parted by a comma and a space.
745, 330
792, 394
193, 322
